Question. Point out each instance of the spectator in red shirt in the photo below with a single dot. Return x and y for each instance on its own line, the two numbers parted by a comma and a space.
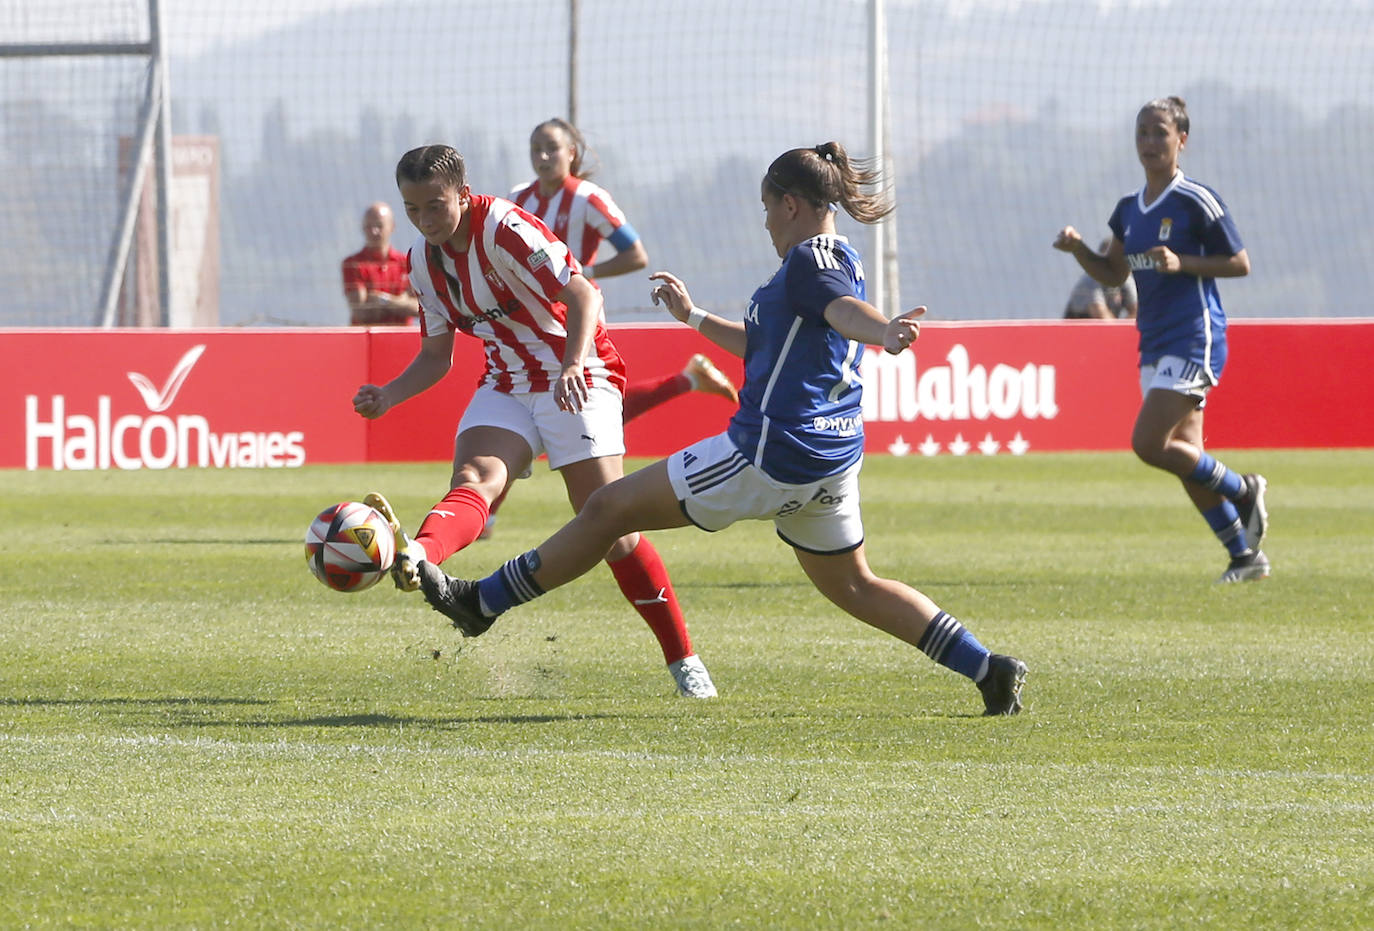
375, 278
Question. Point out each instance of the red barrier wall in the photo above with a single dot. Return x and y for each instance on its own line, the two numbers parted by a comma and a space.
278, 398
98, 399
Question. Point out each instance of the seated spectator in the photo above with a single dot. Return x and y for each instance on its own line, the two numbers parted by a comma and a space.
375, 281
1090, 301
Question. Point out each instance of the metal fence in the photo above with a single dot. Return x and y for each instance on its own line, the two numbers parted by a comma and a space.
1007, 121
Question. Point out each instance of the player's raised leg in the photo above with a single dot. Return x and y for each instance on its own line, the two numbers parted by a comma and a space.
708, 379
699, 374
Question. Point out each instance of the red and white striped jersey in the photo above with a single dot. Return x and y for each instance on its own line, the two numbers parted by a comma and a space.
503, 290
580, 213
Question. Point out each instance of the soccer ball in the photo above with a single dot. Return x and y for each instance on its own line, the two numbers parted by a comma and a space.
349, 546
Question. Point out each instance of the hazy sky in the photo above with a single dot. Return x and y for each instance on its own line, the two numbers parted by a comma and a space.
25, 20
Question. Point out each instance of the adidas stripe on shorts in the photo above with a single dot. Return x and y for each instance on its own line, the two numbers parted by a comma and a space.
716, 486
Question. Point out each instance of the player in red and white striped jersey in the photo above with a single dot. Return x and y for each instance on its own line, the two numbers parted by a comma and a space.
552, 381
504, 288
584, 215
580, 213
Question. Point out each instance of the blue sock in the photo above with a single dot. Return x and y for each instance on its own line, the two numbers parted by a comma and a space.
1225, 523
948, 643
1216, 476
513, 584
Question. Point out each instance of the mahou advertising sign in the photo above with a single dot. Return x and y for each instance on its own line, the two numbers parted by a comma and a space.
986, 389
966, 389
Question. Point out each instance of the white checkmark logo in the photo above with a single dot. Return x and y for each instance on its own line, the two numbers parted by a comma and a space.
161, 400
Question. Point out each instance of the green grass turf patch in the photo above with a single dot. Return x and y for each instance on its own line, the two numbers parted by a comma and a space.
195, 733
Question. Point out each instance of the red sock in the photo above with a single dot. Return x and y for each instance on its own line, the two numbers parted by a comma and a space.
452, 524
643, 395
644, 582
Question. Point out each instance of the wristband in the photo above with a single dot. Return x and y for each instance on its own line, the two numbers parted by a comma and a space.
695, 317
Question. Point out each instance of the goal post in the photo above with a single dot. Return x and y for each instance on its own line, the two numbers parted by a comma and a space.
154, 145
882, 276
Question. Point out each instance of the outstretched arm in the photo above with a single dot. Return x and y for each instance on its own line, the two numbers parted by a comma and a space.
430, 364
860, 320
672, 293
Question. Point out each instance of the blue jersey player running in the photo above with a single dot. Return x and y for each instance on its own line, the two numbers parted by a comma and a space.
1177, 237
793, 451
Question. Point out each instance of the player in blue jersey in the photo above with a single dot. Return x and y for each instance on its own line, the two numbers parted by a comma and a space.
1177, 237
793, 450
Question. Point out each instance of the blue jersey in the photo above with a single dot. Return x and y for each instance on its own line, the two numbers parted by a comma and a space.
801, 413
1178, 315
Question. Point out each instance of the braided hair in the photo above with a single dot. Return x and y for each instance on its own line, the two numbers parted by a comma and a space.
430, 162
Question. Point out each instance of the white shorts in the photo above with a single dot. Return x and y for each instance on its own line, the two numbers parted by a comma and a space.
717, 486
597, 431
1174, 373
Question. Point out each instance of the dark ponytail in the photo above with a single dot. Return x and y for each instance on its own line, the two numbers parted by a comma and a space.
825, 174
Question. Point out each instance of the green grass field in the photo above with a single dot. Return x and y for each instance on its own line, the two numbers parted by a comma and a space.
194, 733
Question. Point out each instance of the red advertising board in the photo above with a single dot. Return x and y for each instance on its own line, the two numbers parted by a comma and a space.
279, 398
130, 399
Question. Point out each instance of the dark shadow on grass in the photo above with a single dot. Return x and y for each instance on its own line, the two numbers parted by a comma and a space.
134, 705
805, 584
781, 583
218, 541
131, 702
394, 721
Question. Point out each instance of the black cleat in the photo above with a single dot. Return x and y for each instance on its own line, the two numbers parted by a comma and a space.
455, 599
1251, 567
1254, 517
1001, 687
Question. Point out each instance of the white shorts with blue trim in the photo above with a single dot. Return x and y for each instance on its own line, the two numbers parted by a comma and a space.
597, 430
716, 486
1177, 374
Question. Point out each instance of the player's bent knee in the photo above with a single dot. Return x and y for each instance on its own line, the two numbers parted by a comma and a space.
488, 485
605, 510
1148, 450
622, 547
846, 592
